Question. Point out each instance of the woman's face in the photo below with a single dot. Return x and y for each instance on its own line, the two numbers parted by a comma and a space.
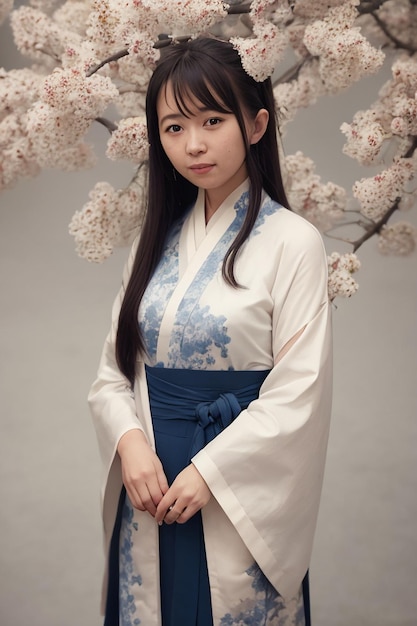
207, 147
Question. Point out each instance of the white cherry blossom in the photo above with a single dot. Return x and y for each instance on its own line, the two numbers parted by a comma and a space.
52, 133
261, 53
18, 90
70, 91
365, 137
131, 103
95, 53
5, 8
321, 203
36, 35
75, 13
129, 141
182, 16
111, 218
317, 9
340, 268
378, 193
345, 54
301, 92
398, 239
17, 158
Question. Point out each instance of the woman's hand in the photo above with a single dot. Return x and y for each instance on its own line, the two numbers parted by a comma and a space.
187, 495
142, 471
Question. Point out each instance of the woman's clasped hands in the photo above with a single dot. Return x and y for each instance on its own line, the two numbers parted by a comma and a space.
147, 486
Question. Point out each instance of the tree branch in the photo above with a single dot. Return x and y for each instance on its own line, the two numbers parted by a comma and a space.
51, 55
114, 57
165, 40
111, 126
368, 6
398, 43
291, 73
327, 234
358, 222
376, 226
239, 9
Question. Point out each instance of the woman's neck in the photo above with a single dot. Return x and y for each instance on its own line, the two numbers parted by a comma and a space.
210, 207
213, 200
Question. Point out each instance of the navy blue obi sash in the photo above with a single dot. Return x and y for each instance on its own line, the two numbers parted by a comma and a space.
189, 408
200, 403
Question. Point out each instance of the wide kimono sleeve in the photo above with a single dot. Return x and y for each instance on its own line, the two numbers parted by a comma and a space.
112, 402
266, 469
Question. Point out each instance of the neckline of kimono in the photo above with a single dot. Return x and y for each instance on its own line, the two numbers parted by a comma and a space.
232, 198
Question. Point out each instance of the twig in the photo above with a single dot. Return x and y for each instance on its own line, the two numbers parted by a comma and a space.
338, 238
352, 223
377, 226
168, 39
352, 211
51, 55
111, 126
369, 7
370, 227
239, 9
360, 223
114, 57
398, 43
291, 73
164, 41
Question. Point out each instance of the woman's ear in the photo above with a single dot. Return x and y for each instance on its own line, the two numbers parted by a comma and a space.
259, 126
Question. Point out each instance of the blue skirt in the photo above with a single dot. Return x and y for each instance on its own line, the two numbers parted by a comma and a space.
189, 408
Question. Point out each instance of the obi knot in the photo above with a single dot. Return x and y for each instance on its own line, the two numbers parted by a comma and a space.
209, 400
212, 418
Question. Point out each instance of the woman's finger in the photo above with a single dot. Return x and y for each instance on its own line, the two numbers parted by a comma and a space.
173, 513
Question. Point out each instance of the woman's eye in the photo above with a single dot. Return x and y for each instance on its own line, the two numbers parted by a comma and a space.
174, 128
213, 121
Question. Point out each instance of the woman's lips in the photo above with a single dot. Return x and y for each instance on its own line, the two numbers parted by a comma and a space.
201, 168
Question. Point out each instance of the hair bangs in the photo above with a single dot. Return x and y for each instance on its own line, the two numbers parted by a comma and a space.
193, 85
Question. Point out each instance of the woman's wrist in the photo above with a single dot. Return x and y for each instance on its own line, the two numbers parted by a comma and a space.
133, 435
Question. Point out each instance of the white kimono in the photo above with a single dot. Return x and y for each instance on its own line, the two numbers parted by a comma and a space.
265, 470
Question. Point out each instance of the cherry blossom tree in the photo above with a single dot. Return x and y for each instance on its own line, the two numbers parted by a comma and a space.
89, 57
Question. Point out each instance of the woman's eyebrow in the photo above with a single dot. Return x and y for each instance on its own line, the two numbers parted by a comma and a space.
178, 116
171, 116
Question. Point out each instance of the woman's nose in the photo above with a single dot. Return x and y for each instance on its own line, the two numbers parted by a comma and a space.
195, 143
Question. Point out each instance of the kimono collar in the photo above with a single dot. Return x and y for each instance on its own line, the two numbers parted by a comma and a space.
230, 201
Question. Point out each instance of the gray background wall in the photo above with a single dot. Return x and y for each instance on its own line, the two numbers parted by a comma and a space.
55, 313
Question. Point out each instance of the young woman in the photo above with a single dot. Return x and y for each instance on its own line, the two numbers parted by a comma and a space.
212, 399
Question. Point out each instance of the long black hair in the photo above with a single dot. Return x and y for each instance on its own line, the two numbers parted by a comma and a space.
207, 71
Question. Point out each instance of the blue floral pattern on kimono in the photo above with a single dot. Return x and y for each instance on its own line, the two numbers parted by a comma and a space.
128, 578
266, 607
